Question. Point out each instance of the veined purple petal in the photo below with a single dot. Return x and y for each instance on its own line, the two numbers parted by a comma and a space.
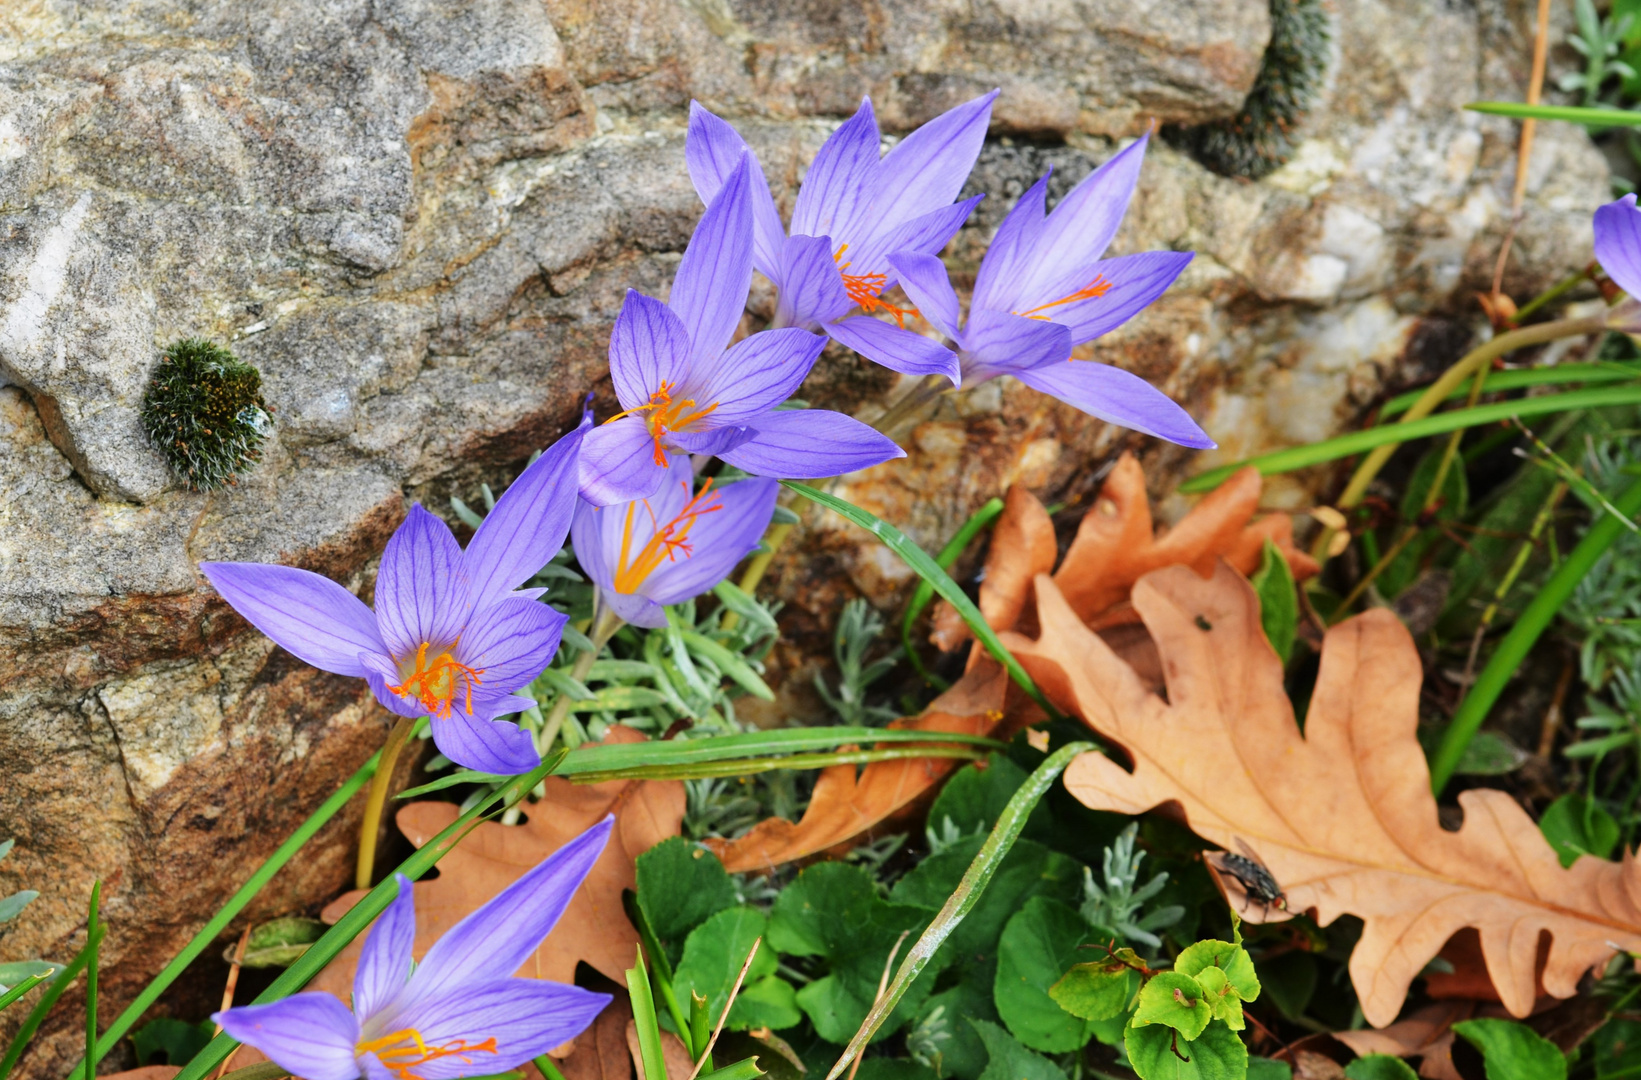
1618, 243
500, 936
618, 462
421, 589
712, 149
510, 641
896, 349
1117, 397
925, 235
649, 346
385, 959
811, 286
587, 536
311, 1034
609, 538
755, 375
492, 746
1007, 262
525, 1017
806, 444
529, 522
1136, 280
709, 290
840, 178
927, 169
633, 608
999, 343
925, 281
1081, 225
712, 441
717, 541
379, 682
311, 617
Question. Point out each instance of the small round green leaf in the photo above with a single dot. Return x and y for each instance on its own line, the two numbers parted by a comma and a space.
1232, 959
1379, 1067
1222, 997
1160, 1053
1175, 1000
1096, 991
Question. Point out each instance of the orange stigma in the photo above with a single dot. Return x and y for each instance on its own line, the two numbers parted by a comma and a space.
1098, 287
667, 541
666, 415
403, 1050
435, 683
866, 290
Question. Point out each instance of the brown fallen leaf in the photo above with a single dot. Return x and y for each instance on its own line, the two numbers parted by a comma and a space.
1115, 545
1426, 1033
147, 1072
846, 806
594, 927
601, 1051
674, 1058
1342, 815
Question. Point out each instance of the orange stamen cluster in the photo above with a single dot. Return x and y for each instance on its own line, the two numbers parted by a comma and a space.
436, 683
866, 290
403, 1050
666, 415
1098, 287
666, 542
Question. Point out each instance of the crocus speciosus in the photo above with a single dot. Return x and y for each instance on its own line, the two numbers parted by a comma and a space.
450, 638
457, 1013
1618, 250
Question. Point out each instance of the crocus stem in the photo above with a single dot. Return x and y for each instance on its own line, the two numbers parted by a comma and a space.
549, 1070
918, 396
1550, 295
1437, 392
379, 784
605, 624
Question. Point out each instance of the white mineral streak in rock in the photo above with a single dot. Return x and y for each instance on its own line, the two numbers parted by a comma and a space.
41, 282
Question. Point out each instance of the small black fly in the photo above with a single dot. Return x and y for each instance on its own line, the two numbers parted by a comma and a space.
1256, 881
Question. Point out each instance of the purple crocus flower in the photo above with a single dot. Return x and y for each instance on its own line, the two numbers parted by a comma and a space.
680, 391
646, 554
1044, 288
450, 638
852, 212
459, 1012
1618, 250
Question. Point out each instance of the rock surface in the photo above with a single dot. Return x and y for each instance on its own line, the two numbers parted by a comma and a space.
419, 219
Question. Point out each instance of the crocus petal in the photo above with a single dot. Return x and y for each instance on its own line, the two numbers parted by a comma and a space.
925, 281
1618, 243
648, 347
525, 1017
717, 541
587, 537
1117, 397
618, 462
927, 169
712, 150
312, 1035
711, 442
421, 591
493, 746
500, 936
311, 617
1136, 280
812, 289
709, 290
755, 375
806, 444
924, 235
1007, 262
385, 960
896, 349
998, 343
840, 177
1081, 226
409, 708
510, 641
528, 524
633, 608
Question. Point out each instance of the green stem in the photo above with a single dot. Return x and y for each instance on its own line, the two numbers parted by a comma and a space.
549, 1070
924, 593
372, 904
605, 624
37, 1014
1549, 296
236, 903
1467, 719
1606, 371
371, 823
94, 935
967, 894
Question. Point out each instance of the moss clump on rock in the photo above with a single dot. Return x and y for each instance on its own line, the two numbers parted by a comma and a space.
1257, 141
205, 413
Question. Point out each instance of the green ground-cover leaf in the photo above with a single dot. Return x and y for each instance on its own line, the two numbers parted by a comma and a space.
712, 959
1278, 600
680, 885
1175, 1000
1040, 943
974, 798
1513, 1051
168, 1041
963, 1054
1618, 1050
1097, 990
1266, 1069
1007, 1059
883, 1068
1576, 826
1289, 980
1158, 1052
1379, 1067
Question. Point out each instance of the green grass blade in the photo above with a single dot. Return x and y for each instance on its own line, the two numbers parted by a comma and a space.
1300, 457
749, 766
924, 593
37, 1014
21, 988
757, 744
1507, 658
643, 1015
94, 935
741, 1070
663, 967
926, 568
729, 664
1520, 110
369, 906
1560, 375
460, 776
962, 901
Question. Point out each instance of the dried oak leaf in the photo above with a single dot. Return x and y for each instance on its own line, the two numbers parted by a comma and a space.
674, 1058
1426, 1033
594, 927
1115, 545
1342, 815
845, 806
601, 1051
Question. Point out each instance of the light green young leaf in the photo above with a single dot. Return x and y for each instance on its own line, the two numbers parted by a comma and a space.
1174, 999
1096, 991
1278, 600
1513, 1051
1233, 959
1158, 1052
1222, 999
